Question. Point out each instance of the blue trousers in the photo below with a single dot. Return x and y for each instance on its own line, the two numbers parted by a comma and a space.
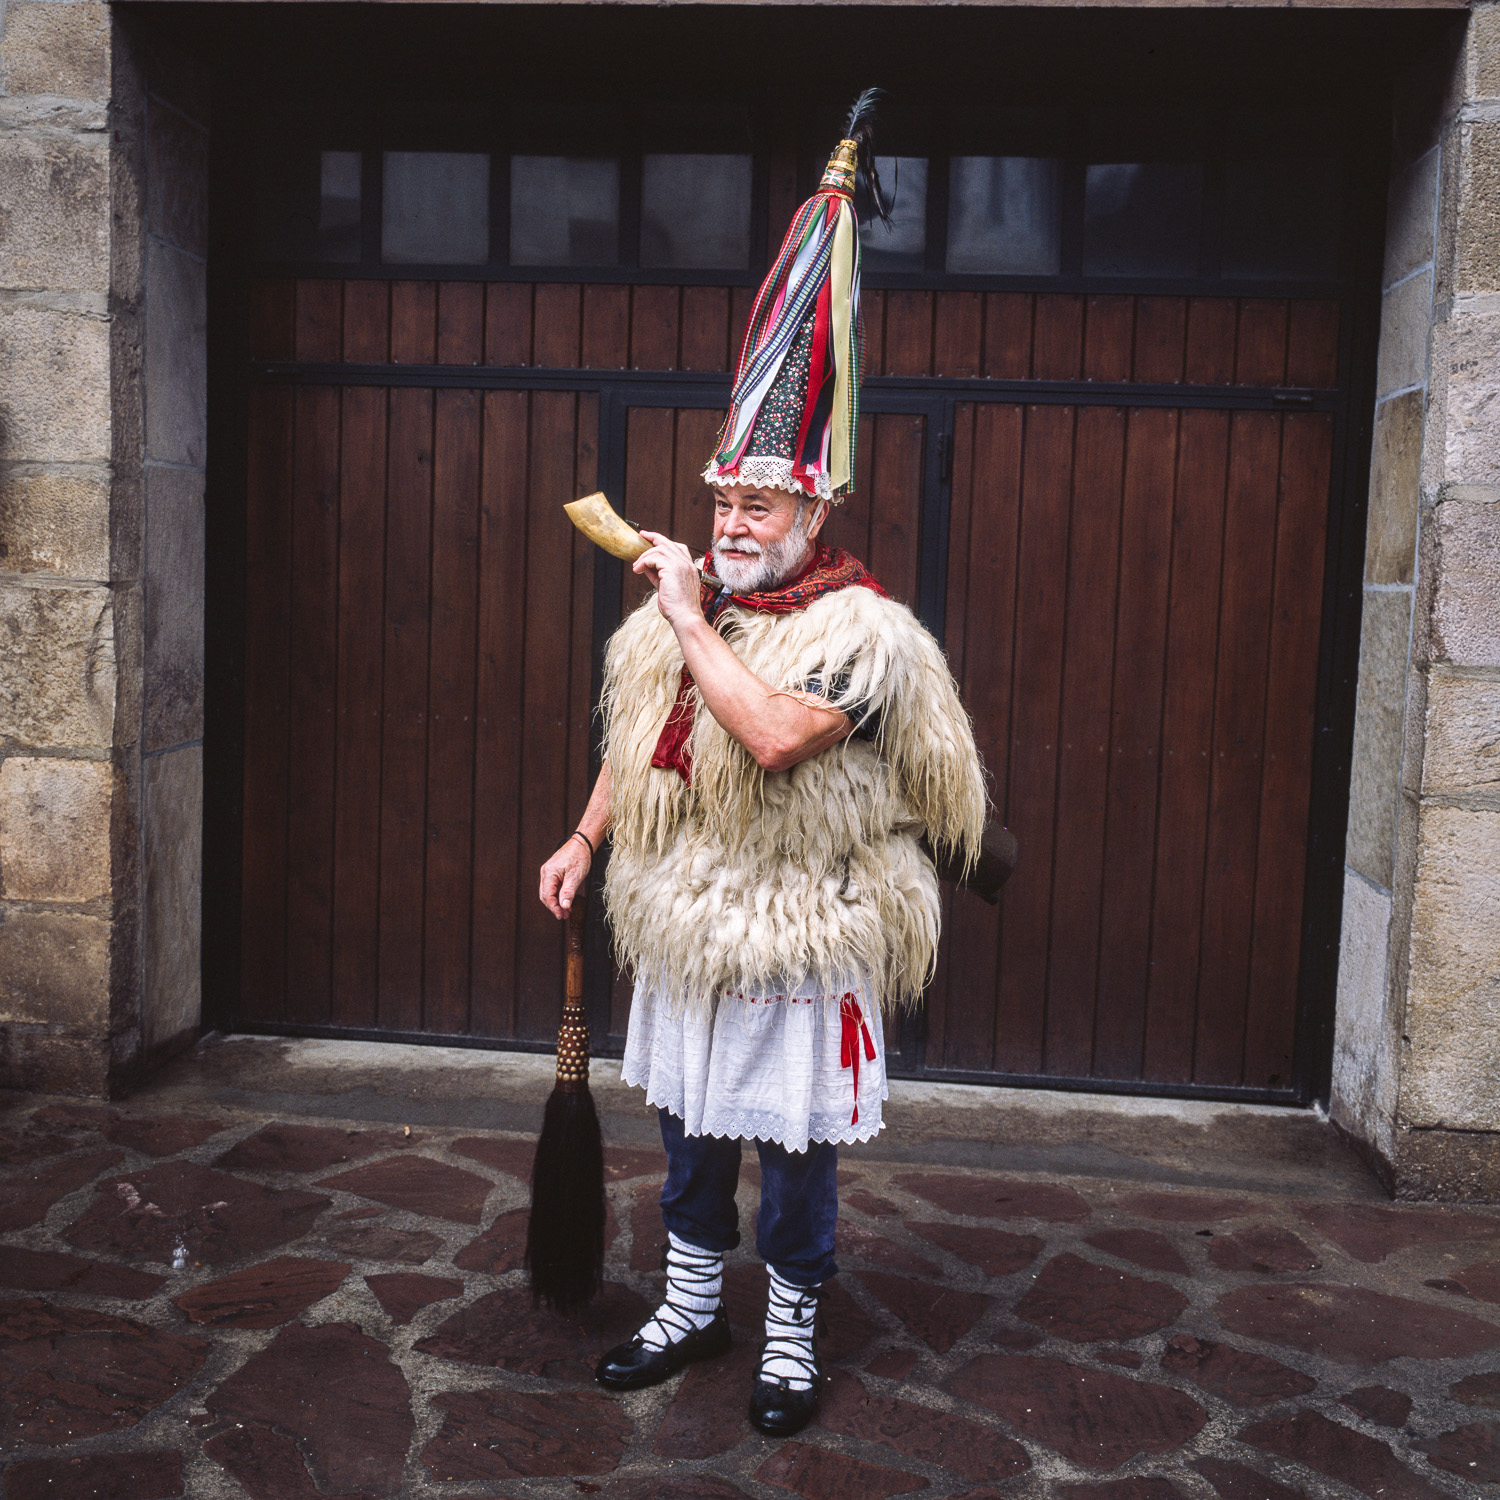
799, 1204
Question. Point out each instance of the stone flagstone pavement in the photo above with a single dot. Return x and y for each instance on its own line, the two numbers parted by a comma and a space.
242, 1305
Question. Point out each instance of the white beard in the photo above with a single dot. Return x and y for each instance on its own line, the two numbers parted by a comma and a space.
772, 565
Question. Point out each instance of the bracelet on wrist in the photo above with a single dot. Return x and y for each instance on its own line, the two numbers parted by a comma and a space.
578, 833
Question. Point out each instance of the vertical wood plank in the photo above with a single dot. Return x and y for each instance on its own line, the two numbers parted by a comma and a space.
586, 557
545, 729
1187, 743
500, 709
268, 575
403, 770
1057, 353
606, 327
896, 503
741, 300
908, 333
653, 327
1312, 356
1301, 529
705, 328
872, 321
1260, 356
1083, 752
356, 828
556, 337
1160, 339
1031, 789
460, 323
692, 503
1109, 332
782, 200
1238, 745
450, 720
310, 722
1140, 641
507, 323
649, 463
958, 334
320, 319
414, 322
367, 322
1008, 335
272, 319
1211, 324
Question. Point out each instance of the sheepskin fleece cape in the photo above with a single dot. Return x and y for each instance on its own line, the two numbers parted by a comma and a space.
747, 878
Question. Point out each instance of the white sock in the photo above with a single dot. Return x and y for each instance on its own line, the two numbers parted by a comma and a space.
790, 1312
695, 1285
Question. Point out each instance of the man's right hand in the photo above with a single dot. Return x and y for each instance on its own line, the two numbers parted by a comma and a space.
563, 874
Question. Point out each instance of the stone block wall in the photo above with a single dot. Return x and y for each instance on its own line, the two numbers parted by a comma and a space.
1417, 1049
103, 174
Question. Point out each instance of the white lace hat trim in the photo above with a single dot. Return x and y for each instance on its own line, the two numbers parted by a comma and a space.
767, 472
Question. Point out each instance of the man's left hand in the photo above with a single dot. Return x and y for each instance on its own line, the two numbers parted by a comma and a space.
672, 572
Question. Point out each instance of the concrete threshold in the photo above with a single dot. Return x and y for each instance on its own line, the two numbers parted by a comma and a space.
1174, 1142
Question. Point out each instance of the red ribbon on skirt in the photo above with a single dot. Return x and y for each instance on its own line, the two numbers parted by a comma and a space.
853, 1030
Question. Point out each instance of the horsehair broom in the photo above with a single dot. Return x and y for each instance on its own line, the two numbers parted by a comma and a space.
565, 1233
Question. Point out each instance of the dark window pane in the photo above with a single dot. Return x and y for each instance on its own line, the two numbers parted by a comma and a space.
1281, 217
901, 246
695, 211
564, 211
1004, 215
1142, 218
307, 204
436, 208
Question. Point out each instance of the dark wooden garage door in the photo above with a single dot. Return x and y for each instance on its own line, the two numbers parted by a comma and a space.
1130, 590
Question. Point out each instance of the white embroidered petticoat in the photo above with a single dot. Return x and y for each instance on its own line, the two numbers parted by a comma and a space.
781, 1068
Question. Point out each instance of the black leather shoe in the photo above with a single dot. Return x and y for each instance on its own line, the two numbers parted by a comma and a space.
779, 1411
631, 1365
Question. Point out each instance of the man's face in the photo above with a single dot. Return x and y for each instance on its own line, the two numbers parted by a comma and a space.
762, 536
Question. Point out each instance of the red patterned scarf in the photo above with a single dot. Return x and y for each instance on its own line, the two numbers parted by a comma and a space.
831, 569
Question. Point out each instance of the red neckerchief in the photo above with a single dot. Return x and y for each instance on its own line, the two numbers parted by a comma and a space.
831, 569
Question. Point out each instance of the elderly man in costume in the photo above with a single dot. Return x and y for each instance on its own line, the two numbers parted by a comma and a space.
776, 754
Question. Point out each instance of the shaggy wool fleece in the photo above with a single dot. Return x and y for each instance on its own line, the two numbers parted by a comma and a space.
751, 877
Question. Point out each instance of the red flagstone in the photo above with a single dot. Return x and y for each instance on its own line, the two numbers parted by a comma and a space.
1234, 1375
869, 1203
938, 1315
1352, 1324
97, 1476
1370, 1233
894, 1364
1143, 1488
418, 1185
1129, 1359
501, 1434
267, 1464
407, 1247
507, 1330
27, 1195
501, 1248
161, 1136
1472, 1451
337, 1392
707, 1415
68, 1372
1082, 1302
1266, 1248
1482, 1389
647, 1234
985, 1197
1141, 1247
500, 1152
220, 1218
73, 1114
939, 1438
622, 1162
264, 1296
284, 1147
1183, 1208
1341, 1453
996, 1252
1094, 1417
1482, 1280
818, 1474
52, 1271
1379, 1404
403, 1294
18, 1148
660, 1487
1240, 1482
860, 1244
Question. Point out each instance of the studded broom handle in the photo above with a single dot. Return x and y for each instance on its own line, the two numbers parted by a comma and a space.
573, 1034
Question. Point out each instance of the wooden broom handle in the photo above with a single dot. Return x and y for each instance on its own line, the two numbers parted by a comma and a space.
575, 949
573, 1034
